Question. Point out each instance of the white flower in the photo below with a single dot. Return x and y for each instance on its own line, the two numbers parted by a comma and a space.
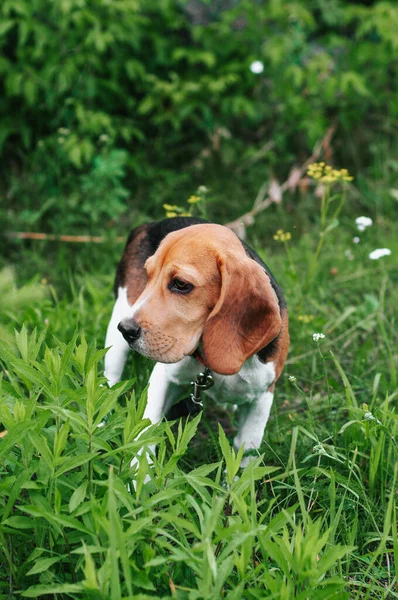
103, 138
349, 255
257, 67
292, 378
318, 336
376, 254
363, 223
356, 240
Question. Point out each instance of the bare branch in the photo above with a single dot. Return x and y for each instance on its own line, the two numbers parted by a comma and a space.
262, 203
79, 239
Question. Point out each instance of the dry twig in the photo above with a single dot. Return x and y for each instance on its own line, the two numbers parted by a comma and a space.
261, 203
80, 239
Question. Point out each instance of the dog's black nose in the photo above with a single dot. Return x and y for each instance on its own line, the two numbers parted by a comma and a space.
130, 331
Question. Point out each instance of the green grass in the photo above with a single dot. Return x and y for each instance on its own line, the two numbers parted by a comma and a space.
313, 517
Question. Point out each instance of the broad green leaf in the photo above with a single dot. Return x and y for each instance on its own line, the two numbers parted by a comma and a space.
18, 522
78, 496
43, 564
63, 588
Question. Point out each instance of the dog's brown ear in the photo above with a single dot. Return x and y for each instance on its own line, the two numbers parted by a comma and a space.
245, 319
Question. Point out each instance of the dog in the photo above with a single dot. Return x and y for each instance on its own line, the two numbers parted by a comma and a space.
191, 293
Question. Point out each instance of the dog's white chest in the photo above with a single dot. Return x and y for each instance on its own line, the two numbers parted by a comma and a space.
246, 386
253, 379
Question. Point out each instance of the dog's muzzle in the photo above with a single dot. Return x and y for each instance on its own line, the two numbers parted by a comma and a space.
131, 331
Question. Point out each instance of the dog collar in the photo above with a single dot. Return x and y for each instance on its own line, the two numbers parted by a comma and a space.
203, 382
199, 357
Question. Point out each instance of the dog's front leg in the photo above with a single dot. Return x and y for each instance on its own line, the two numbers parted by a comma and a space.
253, 418
116, 356
162, 392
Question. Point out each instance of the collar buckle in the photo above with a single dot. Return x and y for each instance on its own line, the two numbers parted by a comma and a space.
203, 382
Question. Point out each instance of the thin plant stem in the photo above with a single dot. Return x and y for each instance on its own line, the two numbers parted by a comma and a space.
325, 227
290, 258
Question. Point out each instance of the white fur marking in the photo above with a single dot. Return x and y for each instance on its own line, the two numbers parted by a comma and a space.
116, 356
137, 305
252, 425
245, 387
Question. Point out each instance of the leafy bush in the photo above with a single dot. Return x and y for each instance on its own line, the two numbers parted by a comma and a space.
91, 200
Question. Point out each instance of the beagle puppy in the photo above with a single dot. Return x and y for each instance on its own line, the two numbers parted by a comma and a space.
186, 288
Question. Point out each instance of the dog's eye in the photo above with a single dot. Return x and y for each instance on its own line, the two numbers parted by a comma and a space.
180, 286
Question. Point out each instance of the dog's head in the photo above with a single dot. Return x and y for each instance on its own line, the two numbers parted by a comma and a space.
203, 287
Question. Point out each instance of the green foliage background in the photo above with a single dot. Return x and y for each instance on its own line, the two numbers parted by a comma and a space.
157, 94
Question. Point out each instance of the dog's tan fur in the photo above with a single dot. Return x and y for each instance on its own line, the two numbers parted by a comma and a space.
232, 307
